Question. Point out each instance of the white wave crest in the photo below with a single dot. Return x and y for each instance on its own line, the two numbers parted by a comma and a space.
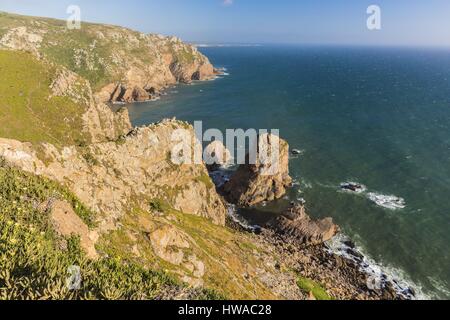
387, 201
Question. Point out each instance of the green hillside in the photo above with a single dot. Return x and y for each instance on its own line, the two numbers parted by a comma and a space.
27, 110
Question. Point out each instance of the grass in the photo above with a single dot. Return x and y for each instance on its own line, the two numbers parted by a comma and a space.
32, 267
26, 111
74, 52
310, 286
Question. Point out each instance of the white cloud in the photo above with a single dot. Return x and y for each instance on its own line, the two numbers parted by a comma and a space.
228, 2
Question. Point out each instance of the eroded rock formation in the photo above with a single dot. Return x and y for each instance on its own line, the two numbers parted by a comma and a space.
139, 64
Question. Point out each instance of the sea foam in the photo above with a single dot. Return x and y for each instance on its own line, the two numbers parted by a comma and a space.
378, 274
387, 201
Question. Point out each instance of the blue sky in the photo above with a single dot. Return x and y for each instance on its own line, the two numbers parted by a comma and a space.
404, 22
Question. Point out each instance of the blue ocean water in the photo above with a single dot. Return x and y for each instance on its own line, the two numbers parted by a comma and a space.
377, 116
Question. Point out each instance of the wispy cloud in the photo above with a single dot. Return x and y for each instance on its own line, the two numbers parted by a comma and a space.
227, 2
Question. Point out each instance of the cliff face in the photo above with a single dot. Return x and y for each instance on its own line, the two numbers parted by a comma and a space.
120, 64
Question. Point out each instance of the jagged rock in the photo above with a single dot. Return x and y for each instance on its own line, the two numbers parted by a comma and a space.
139, 94
264, 180
295, 225
21, 38
67, 223
104, 125
216, 154
111, 92
106, 176
99, 122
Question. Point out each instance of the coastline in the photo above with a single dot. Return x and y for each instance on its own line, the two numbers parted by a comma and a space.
339, 258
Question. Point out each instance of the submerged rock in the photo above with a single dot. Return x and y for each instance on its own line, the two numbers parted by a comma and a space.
263, 180
295, 225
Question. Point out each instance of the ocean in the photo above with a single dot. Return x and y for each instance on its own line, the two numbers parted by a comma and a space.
376, 116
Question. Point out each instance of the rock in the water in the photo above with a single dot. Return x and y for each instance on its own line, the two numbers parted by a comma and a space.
67, 223
264, 180
216, 155
295, 225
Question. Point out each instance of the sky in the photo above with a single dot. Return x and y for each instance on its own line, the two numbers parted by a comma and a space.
403, 22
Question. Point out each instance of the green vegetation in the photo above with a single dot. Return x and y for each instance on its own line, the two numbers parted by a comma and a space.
157, 205
226, 253
75, 53
310, 286
90, 158
26, 111
184, 56
22, 193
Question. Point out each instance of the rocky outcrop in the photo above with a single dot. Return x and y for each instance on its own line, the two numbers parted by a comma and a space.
267, 179
112, 177
171, 245
295, 225
22, 38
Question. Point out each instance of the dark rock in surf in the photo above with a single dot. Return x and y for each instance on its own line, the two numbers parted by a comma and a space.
295, 225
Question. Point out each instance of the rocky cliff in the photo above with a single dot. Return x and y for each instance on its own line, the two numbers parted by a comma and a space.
120, 64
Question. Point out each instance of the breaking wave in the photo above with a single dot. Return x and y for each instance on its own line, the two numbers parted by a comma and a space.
387, 201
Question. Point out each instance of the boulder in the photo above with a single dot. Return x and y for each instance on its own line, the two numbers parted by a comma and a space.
264, 180
67, 223
295, 225
168, 243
